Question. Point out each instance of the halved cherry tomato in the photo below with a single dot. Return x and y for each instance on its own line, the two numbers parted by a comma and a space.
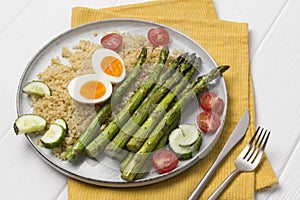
164, 161
210, 101
208, 122
112, 41
158, 36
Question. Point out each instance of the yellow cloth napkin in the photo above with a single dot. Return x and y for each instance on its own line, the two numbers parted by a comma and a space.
227, 42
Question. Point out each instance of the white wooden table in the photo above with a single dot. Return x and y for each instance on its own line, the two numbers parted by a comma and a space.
26, 25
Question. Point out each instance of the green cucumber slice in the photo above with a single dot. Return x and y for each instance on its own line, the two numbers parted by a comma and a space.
54, 136
189, 136
36, 87
63, 123
185, 145
182, 153
29, 123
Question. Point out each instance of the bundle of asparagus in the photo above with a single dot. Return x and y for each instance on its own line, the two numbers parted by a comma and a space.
166, 125
153, 111
115, 148
98, 144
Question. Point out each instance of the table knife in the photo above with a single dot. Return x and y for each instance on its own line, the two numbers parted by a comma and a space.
237, 134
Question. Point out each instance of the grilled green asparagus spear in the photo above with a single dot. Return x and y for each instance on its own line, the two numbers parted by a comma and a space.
124, 86
180, 63
170, 70
161, 144
134, 166
89, 133
143, 132
94, 127
115, 148
99, 143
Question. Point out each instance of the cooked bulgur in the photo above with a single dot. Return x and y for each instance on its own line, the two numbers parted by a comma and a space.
58, 75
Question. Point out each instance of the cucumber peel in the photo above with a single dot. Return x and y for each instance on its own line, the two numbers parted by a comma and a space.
54, 136
62, 123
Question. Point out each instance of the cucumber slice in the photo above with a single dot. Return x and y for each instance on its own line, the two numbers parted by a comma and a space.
54, 136
189, 136
37, 88
182, 153
63, 123
185, 141
29, 123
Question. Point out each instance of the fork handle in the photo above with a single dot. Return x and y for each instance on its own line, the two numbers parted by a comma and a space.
200, 187
224, 184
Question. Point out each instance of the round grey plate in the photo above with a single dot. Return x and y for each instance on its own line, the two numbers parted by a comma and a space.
105, 171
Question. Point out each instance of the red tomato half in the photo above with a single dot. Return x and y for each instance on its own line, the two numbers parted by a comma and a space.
210, 101
208, 122
112, 41
164, 161
158, 37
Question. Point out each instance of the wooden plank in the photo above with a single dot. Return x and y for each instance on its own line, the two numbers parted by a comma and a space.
289, 179
260, 16
11, 11
24, 174
278, 95
63, 195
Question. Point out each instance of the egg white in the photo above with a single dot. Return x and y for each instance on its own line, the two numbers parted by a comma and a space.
98, 56
75, 85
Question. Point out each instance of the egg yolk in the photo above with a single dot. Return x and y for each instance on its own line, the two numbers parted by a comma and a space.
112, 66
92, 90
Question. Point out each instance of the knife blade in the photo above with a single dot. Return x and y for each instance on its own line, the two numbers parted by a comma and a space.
237, 134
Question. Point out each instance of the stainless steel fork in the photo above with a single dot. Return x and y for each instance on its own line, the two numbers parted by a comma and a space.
248, 159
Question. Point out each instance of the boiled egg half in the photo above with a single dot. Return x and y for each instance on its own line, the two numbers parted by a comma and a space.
90, 88
109, 64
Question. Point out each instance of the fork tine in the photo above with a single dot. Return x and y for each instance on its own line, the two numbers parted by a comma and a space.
253, 151
254, 136
257, 146
258, 139
265, 142
262, 144
249, 146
